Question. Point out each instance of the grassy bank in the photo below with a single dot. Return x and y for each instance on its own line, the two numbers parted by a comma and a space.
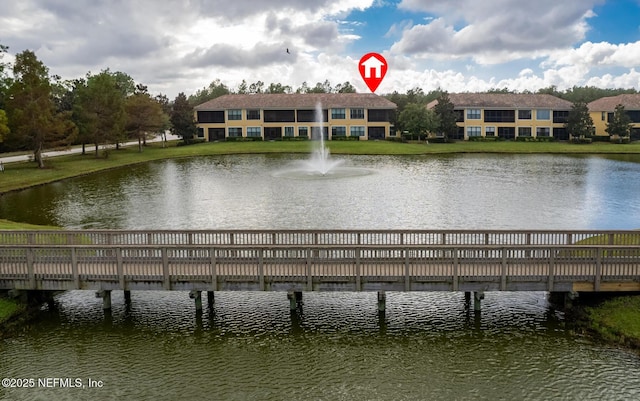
616, 320
8, 309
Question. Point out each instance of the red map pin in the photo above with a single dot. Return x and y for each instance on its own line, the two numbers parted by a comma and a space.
373, 68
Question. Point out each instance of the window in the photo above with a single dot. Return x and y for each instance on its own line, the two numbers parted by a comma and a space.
524, 131
357, 114
543, 131
200, 132
338, 131
211, 116
234, 132
309, 116
281, 116
603, 116
499, 116
474, 131
524, 114
253, 114
490, 131
338, 114
254, 132
303, 131
377, 115
543, 114
473, 114
288, 131
357, 131
560, 117
234, 114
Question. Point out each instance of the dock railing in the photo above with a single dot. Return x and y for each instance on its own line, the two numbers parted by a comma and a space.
316, 260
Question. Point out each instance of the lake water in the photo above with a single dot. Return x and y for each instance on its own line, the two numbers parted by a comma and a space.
337, 347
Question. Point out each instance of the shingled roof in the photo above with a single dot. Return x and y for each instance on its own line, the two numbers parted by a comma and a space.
629, 101
506, 101
297, 101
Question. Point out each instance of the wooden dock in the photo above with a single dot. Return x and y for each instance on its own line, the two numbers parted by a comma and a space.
321, 260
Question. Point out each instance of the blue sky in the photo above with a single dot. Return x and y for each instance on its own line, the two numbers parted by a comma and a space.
457, 45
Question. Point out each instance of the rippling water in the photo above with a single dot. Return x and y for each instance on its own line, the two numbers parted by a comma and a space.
337, 347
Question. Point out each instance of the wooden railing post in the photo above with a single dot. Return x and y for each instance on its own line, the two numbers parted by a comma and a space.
165, 269
456, 270
598, 276
74, 269
358, 270
551, 269
309, 271
503, 270
407, 276
30, 268
120, 267
261, 268
213, 269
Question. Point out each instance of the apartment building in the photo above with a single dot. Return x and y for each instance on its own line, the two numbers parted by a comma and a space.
278, 116
509, 115
601, 112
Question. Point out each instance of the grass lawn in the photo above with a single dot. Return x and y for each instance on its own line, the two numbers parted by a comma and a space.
9, 308
617, 320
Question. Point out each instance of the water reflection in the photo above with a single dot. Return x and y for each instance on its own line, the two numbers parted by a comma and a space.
455, 191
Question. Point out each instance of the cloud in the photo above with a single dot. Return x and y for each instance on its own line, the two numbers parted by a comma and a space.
226, 55
492, 31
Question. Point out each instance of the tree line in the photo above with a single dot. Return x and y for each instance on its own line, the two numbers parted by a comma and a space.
39, 111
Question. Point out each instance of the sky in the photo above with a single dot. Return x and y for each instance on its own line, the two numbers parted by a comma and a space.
456, 45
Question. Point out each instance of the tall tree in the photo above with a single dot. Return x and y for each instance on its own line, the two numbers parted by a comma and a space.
419, 121
99, 110
33, 119
214, 90
345, 87
444, 109
5, 81
620, 125
4, 125
145, 117
579, 123
182, 121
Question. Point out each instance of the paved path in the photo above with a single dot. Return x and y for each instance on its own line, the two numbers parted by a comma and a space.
75, 149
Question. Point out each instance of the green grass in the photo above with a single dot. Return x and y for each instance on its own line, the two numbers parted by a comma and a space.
9, 308
617, 320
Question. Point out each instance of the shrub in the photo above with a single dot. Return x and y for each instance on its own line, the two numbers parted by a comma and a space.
345, 138
244, 139
295, 138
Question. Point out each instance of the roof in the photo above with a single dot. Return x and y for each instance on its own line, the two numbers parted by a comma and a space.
506, 101
297, 101
629, 101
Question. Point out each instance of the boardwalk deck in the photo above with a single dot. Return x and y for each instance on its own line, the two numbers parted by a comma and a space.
337, 260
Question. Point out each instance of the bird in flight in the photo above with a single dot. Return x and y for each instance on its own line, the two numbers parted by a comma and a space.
288, 52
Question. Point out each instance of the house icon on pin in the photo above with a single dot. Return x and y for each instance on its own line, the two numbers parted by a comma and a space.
372, 63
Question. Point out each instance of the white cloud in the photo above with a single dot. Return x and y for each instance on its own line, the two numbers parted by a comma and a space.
494, 30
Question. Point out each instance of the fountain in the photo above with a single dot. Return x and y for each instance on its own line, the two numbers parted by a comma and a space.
320, 164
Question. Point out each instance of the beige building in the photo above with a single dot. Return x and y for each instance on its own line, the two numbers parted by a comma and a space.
278, 116
601, 111
509, 115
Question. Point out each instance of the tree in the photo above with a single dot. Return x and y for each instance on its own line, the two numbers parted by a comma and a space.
620, 125
5, 81
4, 125
99, 110
182, 120
447, 117
345, 88
214, 90
144, 117
278, 88
33, 119
419, 121
579, 123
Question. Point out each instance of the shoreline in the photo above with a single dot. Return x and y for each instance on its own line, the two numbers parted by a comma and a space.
21, 175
